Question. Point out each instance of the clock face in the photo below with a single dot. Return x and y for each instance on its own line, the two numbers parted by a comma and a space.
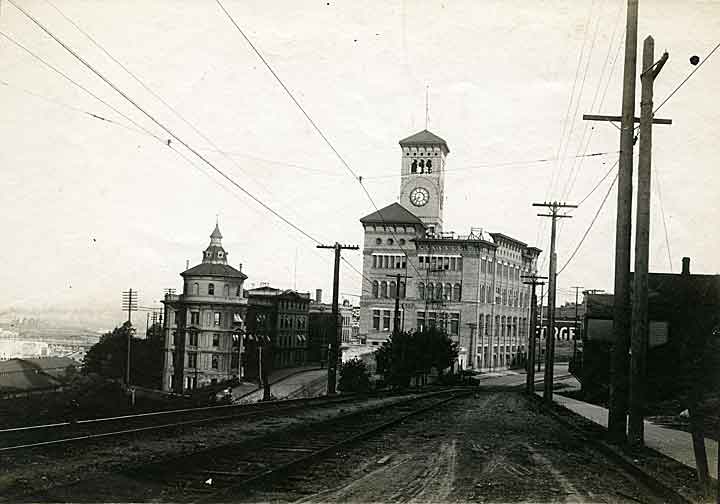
419, 196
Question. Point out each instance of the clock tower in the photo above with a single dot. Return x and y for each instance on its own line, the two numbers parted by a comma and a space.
422, 185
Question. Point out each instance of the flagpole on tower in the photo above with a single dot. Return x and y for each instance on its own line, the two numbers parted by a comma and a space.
427, 107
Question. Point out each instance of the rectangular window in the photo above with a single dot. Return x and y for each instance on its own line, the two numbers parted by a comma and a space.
192, 359
217, 318
175, 337
192, 338
446, 263
455, 324
215, 361
483, 265
421, 261
386, 261
386, 320
374, 261
216, 340
459, 263
195, 318
376, 320
420, 321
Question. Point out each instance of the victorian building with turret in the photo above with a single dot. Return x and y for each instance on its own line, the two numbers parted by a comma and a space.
204, 323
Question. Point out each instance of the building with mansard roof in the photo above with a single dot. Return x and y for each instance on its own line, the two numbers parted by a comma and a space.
470, 284
204, 323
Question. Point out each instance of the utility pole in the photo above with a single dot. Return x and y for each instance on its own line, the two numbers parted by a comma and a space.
396, 318
618, 403
639, 334
334, 356
539, 341
577, 291
530, 378
552, 285
129, 303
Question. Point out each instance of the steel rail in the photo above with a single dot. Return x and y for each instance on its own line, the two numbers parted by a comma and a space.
242, 414
309, 457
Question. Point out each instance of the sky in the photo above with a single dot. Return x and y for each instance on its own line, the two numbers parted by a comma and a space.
92, 206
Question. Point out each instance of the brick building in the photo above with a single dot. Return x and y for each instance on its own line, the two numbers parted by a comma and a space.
469, 284
288, 320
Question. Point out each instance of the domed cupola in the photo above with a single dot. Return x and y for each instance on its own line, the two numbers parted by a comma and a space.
215, 253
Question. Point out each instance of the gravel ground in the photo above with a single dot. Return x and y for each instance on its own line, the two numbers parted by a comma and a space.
494, 447
36, 470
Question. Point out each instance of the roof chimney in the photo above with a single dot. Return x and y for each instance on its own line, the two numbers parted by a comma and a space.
318, 296
187, 264
240, 267
685, 265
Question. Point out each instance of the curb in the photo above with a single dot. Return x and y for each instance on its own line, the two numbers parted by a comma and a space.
649, 478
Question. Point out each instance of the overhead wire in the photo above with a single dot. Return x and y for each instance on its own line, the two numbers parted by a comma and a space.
686, 78
78, 85
287, 90
664, 221
158, 97
161, 125
587, 231
542, 225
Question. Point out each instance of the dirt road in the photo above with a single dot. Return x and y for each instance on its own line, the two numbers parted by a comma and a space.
494, 447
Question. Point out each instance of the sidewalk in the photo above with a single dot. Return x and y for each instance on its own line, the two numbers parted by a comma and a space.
283, 382
675, 444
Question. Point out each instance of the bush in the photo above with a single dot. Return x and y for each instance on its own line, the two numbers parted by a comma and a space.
354, 376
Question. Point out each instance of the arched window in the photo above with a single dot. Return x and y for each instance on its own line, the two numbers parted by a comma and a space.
502, 326
421, 290
438, 291
413, 166
196, 289
497, 325
422, 166
488, 322
448, 292
392, 289
383, 289
482, 293
226, 290
402, 290
430, 291
238, 292
375, 287
211, 289
428, 165
456, 292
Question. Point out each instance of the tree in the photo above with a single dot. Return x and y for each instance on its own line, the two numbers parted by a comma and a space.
408, 355
354, 376
108, 358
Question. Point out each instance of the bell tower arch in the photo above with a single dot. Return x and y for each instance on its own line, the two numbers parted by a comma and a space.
422, 175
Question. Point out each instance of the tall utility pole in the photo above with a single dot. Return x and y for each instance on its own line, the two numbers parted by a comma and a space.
618, 403
577, 291
530, 382
129, 303
334, 356
539, 342
552, 285
396, 318
639, 334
